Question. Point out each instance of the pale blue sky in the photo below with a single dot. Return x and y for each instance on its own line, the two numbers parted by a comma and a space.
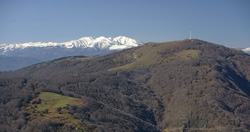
225, 22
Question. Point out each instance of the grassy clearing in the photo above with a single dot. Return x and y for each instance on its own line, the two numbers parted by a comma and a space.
54, 107
145, 55
124, 67
185, 55
151, 54
148, 55
52, 101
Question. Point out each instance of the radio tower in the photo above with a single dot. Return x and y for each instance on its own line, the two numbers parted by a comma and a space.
190, 35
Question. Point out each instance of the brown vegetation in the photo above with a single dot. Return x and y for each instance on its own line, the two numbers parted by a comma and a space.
188, 85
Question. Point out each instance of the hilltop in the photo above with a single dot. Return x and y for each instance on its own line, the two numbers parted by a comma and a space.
186, 85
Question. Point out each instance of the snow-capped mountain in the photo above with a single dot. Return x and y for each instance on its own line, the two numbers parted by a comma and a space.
44, 51
117, 43
247, 50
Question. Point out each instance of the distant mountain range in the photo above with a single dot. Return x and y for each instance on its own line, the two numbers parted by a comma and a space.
16, 56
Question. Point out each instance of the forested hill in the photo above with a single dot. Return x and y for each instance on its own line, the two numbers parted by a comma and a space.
186, 85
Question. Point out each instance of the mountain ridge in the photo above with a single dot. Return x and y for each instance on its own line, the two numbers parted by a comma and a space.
84, 42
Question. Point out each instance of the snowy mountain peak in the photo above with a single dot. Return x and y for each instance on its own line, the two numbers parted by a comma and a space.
246, 49
84, 38
117, 43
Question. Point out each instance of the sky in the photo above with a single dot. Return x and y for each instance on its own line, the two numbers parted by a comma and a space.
225, 22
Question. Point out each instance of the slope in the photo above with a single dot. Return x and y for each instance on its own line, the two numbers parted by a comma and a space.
186, 85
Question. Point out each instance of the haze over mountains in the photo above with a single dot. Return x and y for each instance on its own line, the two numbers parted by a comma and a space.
179, 86
15, 56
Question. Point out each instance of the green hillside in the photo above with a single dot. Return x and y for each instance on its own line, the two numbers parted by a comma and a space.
54, 107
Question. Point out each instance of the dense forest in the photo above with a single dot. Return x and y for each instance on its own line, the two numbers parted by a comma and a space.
186, 85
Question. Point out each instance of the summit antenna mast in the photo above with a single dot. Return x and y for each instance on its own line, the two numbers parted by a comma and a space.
190, 35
